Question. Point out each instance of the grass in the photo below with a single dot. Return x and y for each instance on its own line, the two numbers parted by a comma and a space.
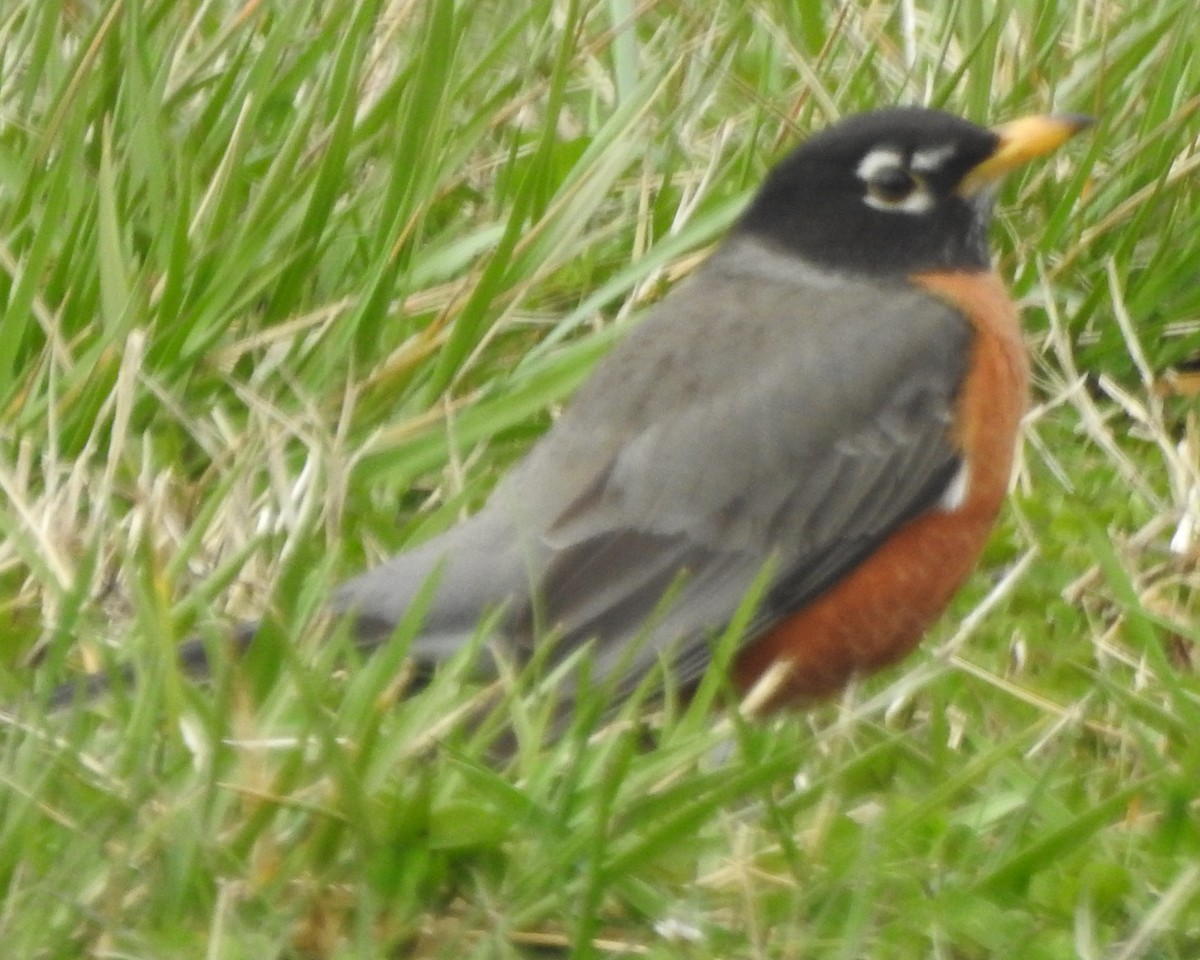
284, 287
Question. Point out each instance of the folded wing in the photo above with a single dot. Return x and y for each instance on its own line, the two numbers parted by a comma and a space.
762, 413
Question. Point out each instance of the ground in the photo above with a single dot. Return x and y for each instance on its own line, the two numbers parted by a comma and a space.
285, 286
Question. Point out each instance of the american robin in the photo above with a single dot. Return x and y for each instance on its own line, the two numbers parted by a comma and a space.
836, 392
833, 397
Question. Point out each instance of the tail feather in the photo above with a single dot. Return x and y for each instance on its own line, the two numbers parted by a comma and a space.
192, 657
479, 566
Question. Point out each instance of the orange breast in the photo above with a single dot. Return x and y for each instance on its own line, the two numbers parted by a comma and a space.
879, 611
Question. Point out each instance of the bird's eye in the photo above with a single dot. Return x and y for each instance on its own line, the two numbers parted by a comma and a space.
891, 186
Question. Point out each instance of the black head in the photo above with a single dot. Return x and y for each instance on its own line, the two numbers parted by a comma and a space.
896, 191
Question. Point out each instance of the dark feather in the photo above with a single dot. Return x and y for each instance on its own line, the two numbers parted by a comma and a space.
812, 426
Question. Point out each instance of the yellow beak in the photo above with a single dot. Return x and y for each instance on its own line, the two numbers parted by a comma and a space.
1021, 141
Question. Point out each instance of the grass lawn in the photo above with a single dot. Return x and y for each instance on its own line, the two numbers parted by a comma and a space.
285, 286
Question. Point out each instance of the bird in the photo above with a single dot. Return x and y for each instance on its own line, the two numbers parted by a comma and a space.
827, 408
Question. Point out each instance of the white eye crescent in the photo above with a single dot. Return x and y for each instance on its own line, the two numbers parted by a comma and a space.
891, 185
932, 158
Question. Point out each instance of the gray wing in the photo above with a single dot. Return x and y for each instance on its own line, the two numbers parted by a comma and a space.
762, 412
